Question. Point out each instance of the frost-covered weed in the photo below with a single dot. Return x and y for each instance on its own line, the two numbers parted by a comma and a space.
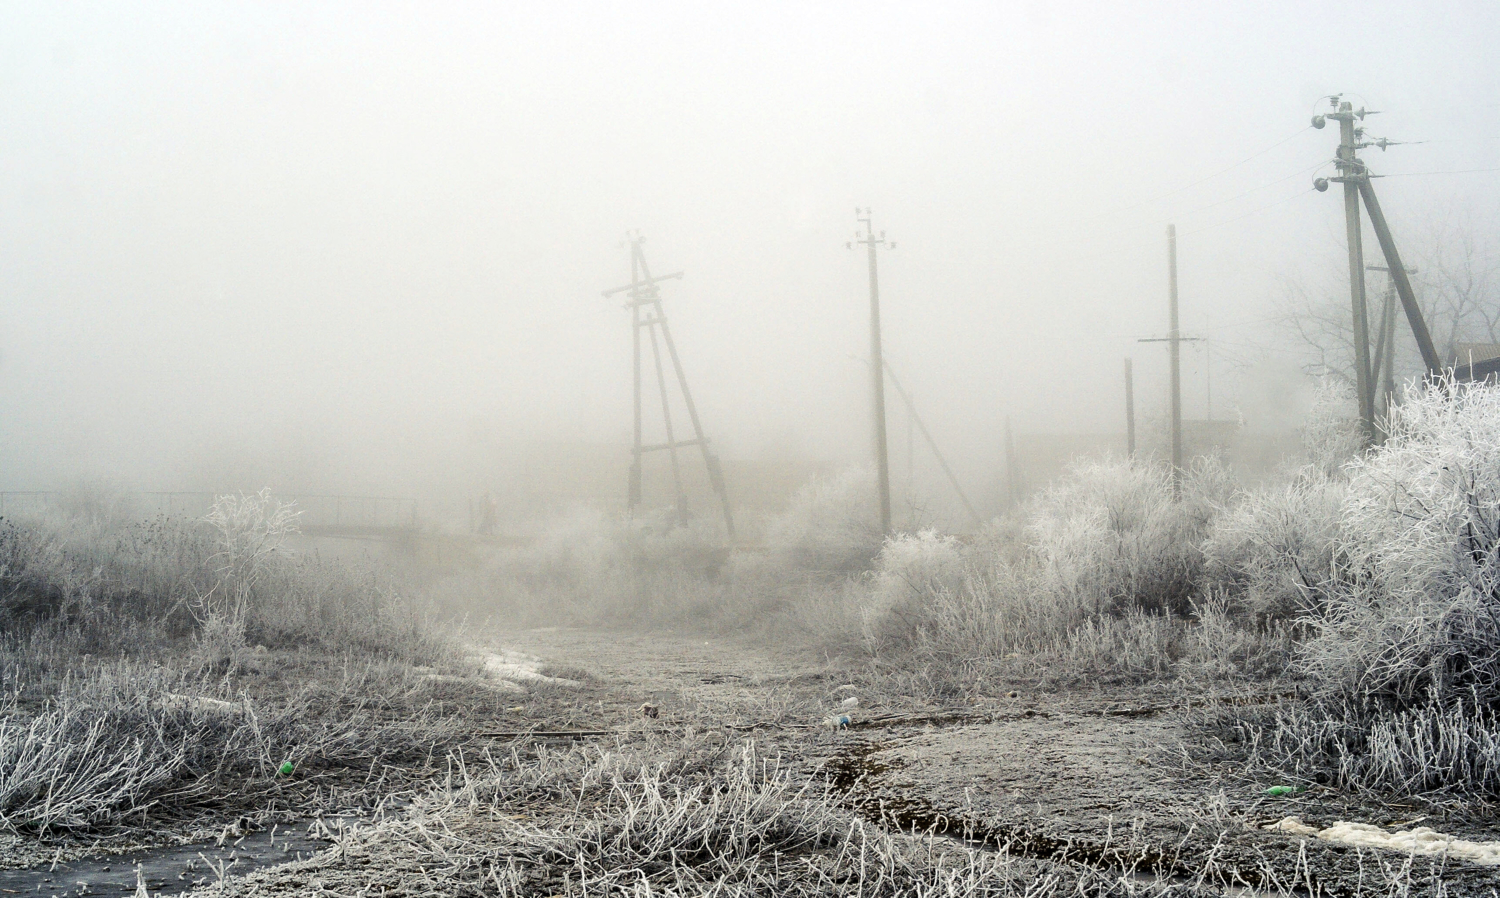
125, 587
589, 567
1331, 436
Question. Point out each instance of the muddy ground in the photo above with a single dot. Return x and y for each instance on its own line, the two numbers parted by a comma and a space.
1111, 779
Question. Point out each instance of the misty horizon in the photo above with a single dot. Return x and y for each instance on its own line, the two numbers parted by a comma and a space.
341, 248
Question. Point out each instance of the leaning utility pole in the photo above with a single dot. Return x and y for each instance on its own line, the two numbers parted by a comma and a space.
1383, 365
877, 364
1129, 410
645, 295
1355, 177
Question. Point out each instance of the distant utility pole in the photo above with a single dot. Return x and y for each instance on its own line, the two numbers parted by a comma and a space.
1355, 177
1174, 340
646, 313
877, 363
1174, 337
1012, 488
1129, 410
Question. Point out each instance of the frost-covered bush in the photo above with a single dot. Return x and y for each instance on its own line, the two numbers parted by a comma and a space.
1111, 538
913, 569
1080, 587
1272, 548
1413, 609
831, 524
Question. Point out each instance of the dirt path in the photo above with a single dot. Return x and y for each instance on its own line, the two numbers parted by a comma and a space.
1066, 780
1053, 776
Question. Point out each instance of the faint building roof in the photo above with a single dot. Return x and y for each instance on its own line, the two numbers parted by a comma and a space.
1470, 353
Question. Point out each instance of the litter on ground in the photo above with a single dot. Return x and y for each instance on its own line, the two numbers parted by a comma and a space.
1422, 840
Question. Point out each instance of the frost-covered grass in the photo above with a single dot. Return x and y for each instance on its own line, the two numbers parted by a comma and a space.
1439, 749
150, 667
125, 742
111, 585
699, 818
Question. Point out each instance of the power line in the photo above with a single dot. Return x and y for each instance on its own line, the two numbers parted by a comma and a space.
1296, 174
1463, 171
1205, 179
1136, 246
1254, 211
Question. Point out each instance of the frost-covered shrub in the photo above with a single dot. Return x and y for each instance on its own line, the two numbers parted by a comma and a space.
1111, 537
1413, 609
913, 569
1331, 437
831, 524
1272, 548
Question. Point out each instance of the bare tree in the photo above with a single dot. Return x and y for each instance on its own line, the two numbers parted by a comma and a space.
1457, 284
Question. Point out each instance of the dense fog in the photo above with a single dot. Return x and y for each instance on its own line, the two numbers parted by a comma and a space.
361, 247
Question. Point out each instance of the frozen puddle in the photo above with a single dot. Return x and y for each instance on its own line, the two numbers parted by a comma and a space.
1422, 840
177, 868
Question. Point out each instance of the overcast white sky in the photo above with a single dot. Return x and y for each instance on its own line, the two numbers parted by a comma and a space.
333, 236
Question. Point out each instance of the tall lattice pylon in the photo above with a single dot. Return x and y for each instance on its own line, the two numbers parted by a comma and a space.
646, 314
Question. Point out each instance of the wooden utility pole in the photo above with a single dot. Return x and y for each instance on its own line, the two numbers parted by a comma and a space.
1174, 340
1383, 365
1129, 410
646, 312
877, 365
1011, 488
1349, 165
1355, 177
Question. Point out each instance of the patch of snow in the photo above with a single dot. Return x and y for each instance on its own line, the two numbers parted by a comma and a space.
173, 701
1422, 840
518, 667
499, 686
